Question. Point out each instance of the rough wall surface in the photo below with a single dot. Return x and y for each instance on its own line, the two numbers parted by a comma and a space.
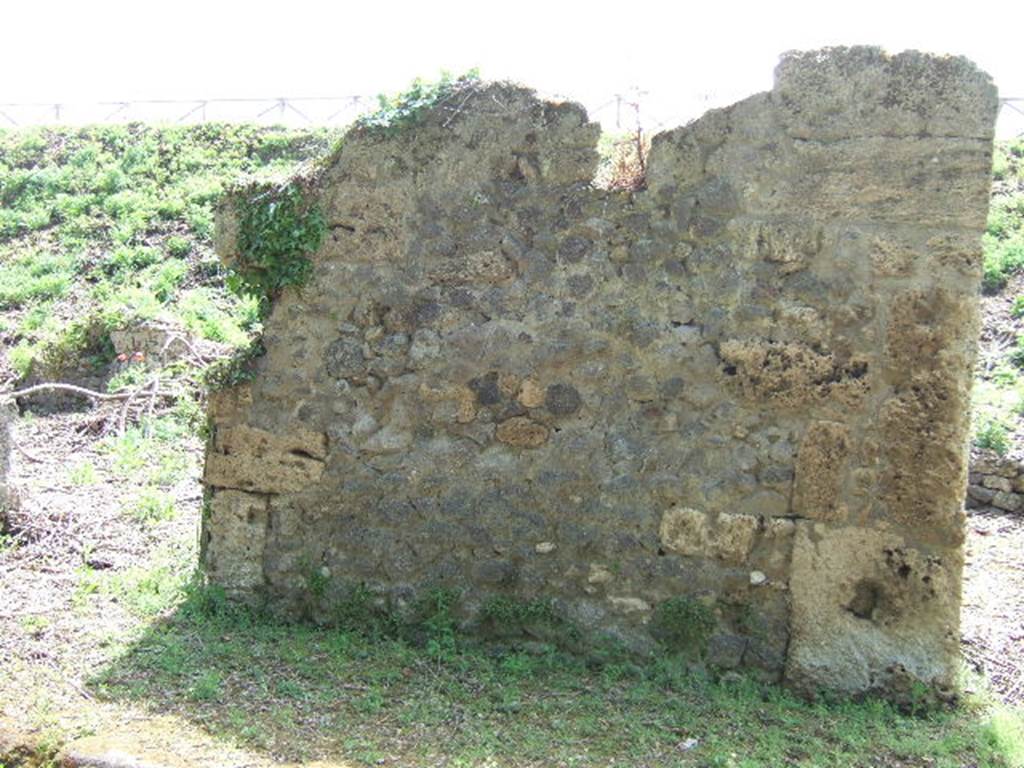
747, 383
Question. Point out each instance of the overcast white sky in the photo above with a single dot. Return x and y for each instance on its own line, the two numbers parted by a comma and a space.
680, 53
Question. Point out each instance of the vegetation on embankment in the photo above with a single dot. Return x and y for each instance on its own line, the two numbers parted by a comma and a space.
105, 226
999, 381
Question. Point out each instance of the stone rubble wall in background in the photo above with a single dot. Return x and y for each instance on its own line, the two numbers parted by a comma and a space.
996, 481
745, 385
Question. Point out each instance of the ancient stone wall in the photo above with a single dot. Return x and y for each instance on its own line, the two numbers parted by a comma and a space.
746, 384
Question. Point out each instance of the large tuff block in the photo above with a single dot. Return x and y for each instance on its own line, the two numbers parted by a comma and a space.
869, 610
743, 385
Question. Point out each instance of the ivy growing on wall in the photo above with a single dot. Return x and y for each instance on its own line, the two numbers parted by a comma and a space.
403, 109
278, 227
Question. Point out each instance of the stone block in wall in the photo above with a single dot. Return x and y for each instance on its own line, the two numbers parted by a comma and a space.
235, 531
792, 374
1010, 502
849, 92
250, 459
691, 532
865, 603
997, 483
875, 178
789, 244
230, 404
820, 462
980, 494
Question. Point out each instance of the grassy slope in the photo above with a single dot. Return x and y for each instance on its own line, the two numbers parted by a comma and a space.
999, 388
105, 226
100, 227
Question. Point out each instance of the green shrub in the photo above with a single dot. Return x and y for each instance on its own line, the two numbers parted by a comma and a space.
433, 621
278, 227
36, 276
683, 625
178, 246
21, 358
403, 109
1002, 258
163, 279
992, 435
1017, 309
125, 260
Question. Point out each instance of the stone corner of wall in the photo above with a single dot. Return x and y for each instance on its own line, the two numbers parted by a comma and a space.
841, 92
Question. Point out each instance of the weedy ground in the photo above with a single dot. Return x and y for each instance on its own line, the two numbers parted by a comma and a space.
999, 387
105, 628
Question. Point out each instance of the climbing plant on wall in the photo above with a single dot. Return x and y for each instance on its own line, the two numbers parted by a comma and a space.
278, 227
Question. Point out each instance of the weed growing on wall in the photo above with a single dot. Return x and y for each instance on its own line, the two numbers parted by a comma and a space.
234, 370
278, 229
404, 109
683, 625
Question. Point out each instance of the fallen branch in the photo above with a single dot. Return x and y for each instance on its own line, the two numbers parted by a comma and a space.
73, 389
90, 393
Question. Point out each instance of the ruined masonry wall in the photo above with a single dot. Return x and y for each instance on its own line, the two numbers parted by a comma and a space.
747, 383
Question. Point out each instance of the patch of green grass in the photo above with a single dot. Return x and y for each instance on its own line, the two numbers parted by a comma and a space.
373, 696
152, 506
1004, 236
106, 226
148, 589
683, 624
217, 317
1004, 729
35, 276
125, 260
150, 452
84, 474
62, 344
206, 687
992, 435
997, 402
1017, 309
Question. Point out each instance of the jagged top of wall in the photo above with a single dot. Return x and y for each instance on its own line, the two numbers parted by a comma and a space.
824, 95
485, 130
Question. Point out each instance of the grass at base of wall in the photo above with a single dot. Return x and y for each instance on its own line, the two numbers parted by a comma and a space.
299, 692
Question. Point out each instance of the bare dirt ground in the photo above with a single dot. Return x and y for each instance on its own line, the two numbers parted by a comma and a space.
64, 615
993, 603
